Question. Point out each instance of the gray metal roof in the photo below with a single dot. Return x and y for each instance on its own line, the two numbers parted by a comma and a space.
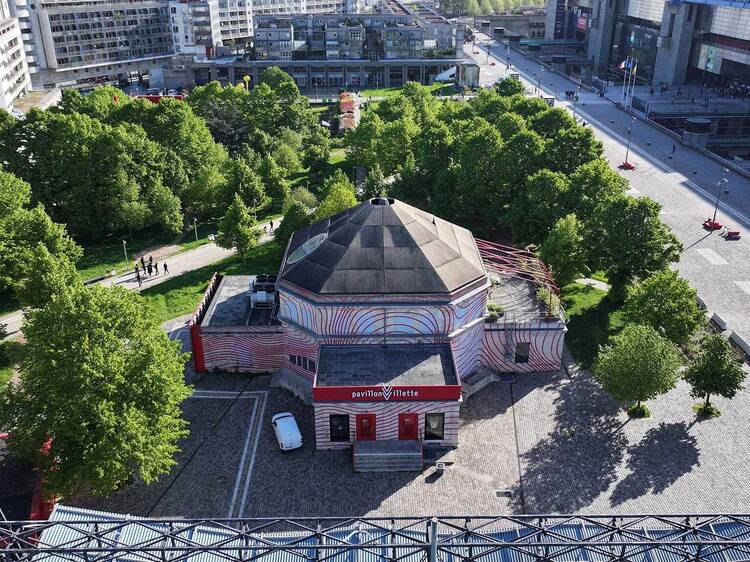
394, 364
384, 246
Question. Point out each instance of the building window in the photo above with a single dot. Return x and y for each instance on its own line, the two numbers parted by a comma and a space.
522, 352
303, 362
339, 425
434, 427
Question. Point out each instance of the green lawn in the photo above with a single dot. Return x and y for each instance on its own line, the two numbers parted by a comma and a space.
592, 320
9, 357
100, 258
181, 294
436, 89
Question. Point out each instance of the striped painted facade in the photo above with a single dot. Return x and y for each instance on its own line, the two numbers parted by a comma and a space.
332, 320
248, 350
466, 348
545, 350
386, 425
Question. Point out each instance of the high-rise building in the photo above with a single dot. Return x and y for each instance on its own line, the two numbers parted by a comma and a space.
14, 72
675, 42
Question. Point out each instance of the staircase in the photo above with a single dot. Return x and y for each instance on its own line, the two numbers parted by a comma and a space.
387, 456
477, 380
294, 383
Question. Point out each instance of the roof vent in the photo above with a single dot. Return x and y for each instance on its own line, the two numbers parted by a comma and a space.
381, 201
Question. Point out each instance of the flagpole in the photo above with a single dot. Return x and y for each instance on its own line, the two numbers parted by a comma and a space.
633, 73
625, 79
627, 91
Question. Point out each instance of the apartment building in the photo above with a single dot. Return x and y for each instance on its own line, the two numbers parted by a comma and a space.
14, 73
74, 42
195, 26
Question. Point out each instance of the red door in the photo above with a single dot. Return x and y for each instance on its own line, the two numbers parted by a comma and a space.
407, 426
366, 427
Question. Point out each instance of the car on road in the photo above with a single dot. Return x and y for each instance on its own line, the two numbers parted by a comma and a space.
287, 431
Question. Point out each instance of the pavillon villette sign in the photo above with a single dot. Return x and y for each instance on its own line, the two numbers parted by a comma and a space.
385, 393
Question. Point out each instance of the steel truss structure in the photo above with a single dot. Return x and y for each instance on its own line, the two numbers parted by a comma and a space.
79, 537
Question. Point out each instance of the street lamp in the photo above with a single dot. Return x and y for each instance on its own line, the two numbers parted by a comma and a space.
718, 190
575, 103
125, 250
195, 226
627, 165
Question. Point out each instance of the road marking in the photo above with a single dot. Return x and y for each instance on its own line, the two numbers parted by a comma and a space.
744, 285
249, 476
238, 478
711, 256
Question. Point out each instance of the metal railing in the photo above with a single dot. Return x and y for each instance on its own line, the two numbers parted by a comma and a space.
543, 538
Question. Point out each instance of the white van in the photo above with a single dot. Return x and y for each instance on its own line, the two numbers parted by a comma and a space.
287, 431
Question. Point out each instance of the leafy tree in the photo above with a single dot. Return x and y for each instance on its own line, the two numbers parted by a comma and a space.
225, 112
473, 8
244, 181
552, 122
375, 185
572, 148
714, 371
538, 207
521, 157
485, 7
666, 302
394, 143
360, 142
527, 107
639, 365
422, 101
288, 158
490, 105
509, 87
303, 196
338, 195
591, 185
509, 124
316, 150
277, 187
627, 239
276, 78
23, 230
297, 216
102, 104
237, 228
48, 276
563, 250
102, 382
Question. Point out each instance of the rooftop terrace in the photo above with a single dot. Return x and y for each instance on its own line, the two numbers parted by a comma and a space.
230, 305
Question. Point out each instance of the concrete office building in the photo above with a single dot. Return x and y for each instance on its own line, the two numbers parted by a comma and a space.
699, 42
14, 72
530, 24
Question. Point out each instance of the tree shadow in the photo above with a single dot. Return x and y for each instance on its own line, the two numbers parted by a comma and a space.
665, 453
577, 462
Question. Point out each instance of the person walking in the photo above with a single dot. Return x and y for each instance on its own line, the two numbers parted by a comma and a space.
156, 267
271, 226
138, 277
674, 147
150, 269
151, 259
143, 263
166, 269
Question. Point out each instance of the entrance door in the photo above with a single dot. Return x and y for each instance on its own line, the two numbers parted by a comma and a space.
407, 426
366, 427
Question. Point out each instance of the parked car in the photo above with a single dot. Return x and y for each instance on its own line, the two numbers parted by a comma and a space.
287, 431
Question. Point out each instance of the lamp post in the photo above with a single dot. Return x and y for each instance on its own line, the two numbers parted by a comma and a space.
125, 251
246, 80
575, 103
627, 164
195, 226
721, 181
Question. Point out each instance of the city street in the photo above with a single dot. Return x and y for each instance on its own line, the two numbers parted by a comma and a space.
685, 184
177, 264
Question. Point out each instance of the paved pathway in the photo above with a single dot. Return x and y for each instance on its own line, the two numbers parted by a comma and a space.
685, 184
177, 264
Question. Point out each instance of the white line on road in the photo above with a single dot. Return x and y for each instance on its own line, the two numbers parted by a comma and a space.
238, 479
744, 285
711, 256
249, 476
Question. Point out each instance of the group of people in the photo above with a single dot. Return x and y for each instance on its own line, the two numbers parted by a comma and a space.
151, 268
571, 95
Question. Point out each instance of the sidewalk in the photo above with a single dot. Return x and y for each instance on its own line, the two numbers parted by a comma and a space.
179, 263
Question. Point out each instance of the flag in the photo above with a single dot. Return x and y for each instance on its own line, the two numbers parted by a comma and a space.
622, 65
635, 67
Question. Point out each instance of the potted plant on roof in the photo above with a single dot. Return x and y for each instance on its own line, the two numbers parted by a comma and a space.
495, 312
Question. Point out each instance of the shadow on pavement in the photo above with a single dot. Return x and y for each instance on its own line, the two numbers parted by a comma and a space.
665, 453
577, 462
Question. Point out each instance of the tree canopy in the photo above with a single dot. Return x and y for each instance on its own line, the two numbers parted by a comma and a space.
639, 365
714, 371
237, 228
666, 302
101, 383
